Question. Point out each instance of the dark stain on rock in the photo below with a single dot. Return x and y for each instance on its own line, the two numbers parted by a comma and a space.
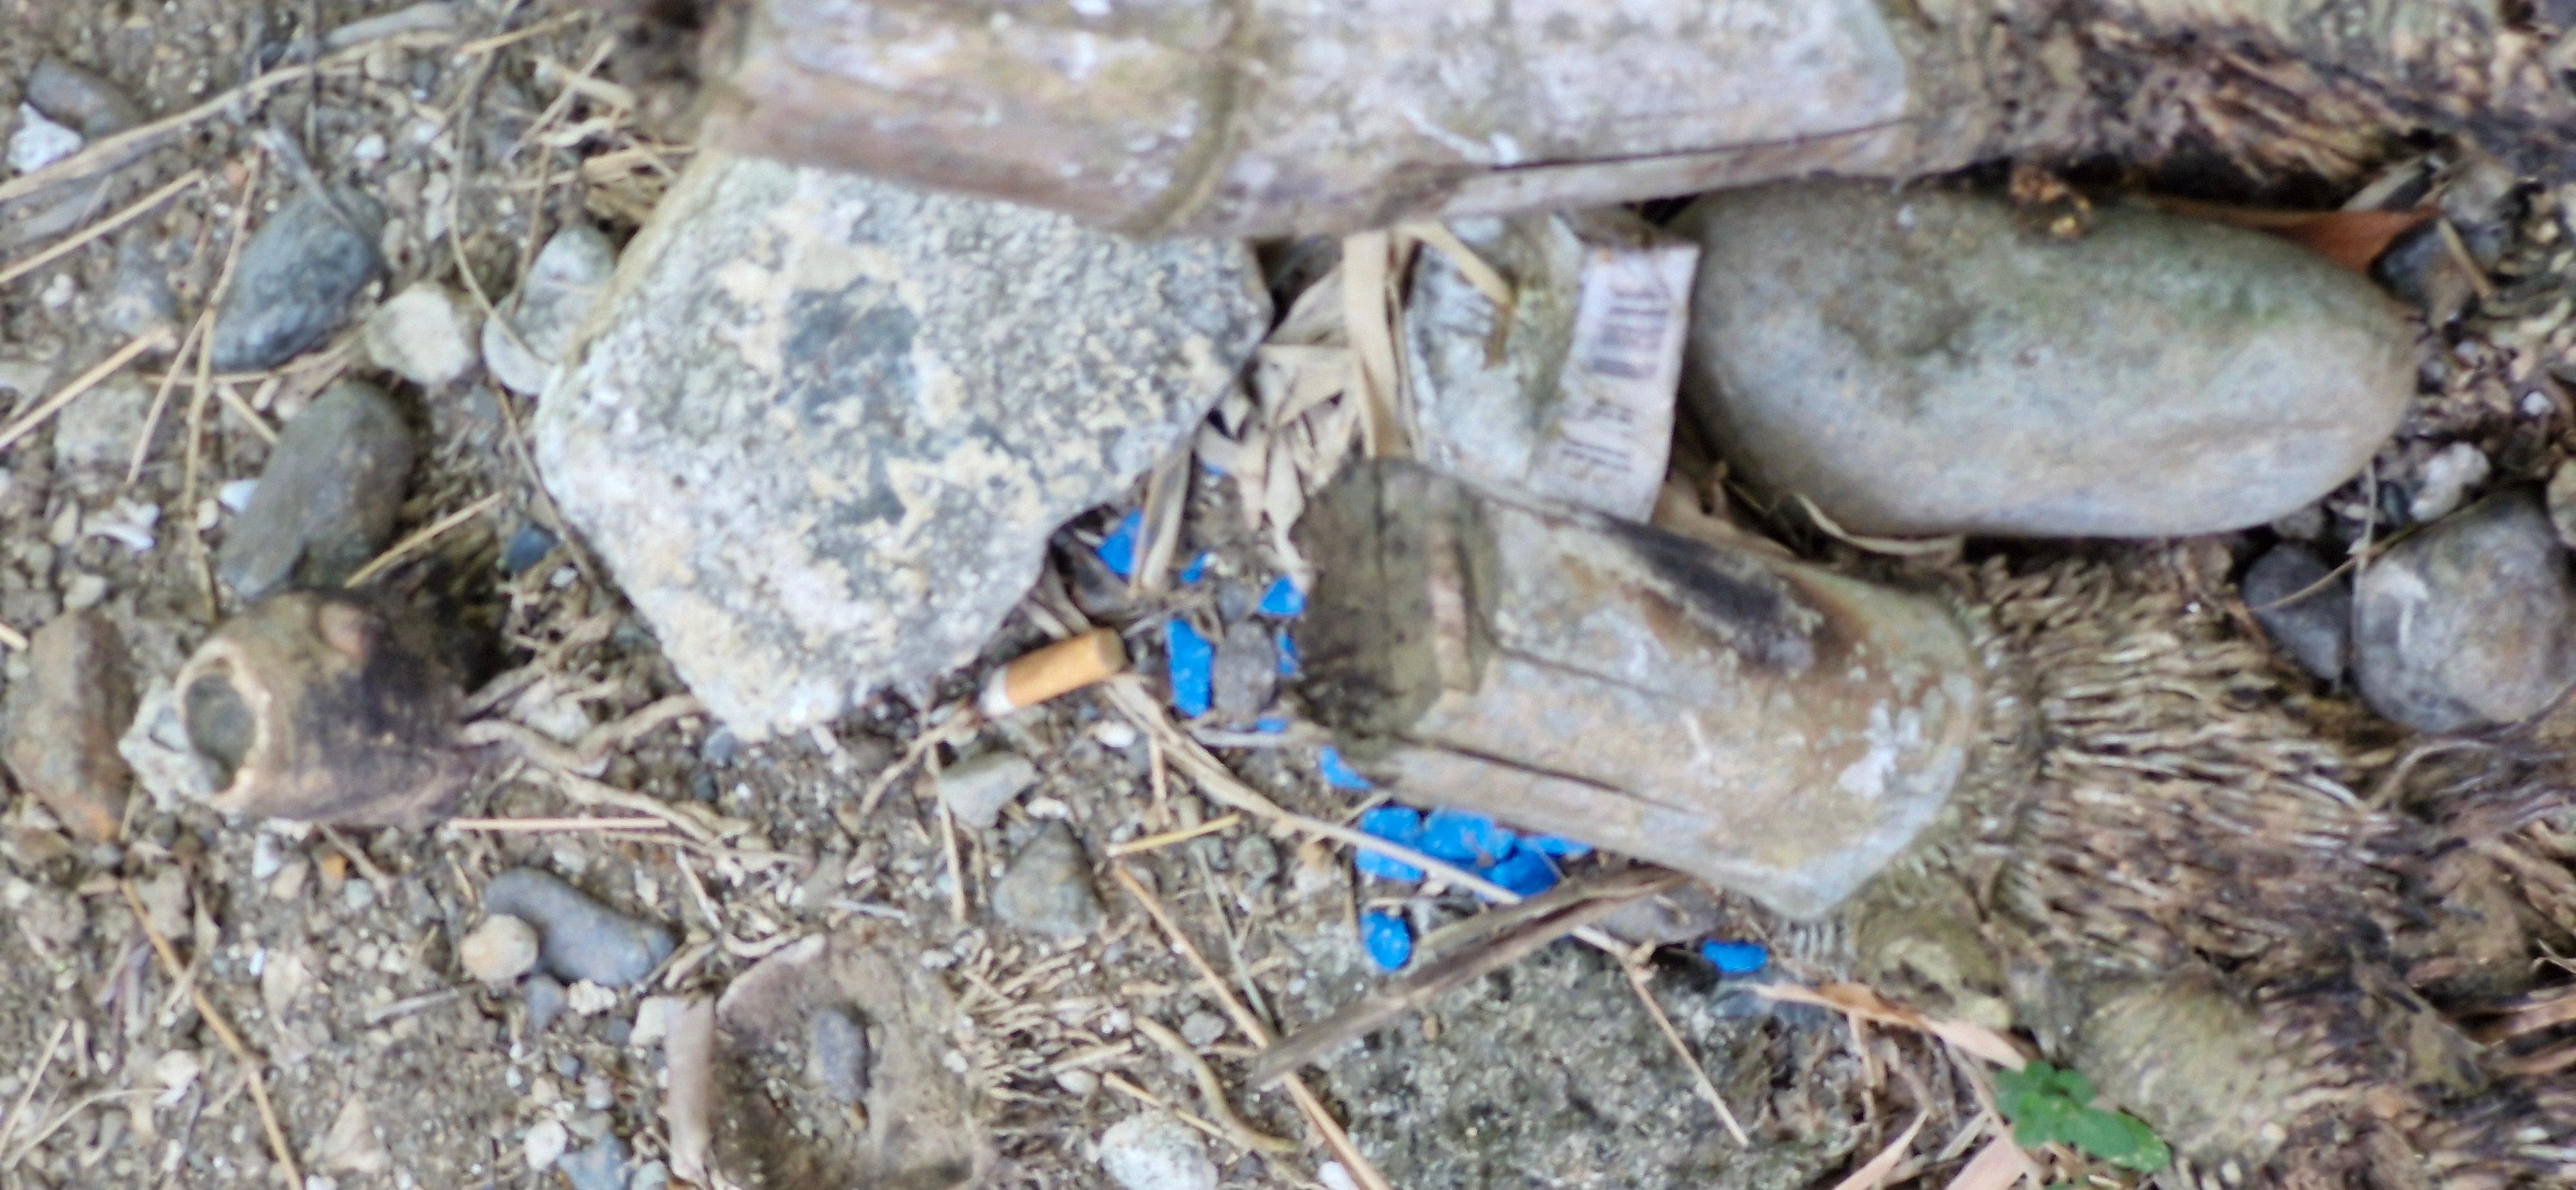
1754, 611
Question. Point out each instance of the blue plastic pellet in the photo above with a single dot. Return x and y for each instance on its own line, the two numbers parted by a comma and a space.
1395, 824
1196, 569
1283, 599
1193, 667
1119, 548
527, 547
1338, 772
1270, 725
1556, 845
1463, 838
1525, 872
1734, 958
1288, 665
1388, 940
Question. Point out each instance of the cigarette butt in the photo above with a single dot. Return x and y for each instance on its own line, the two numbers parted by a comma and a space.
1059, 668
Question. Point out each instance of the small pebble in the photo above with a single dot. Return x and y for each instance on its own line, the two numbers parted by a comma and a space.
1256, 858
602, 1166
976, 789
1048, 888
563, 283
2448, 476
1117, 735
2562, 503
1080, 1082
2305, 612
545, 1000
39, 142
358, 894
722, 747
1245, 674
327, 500
568, 1066
1202, 1028
578, 938
295, 280
546, 1143
65, 718
653, 1176
2470, 623
1334, 1177
1153, 1151
837, 1056
426, 334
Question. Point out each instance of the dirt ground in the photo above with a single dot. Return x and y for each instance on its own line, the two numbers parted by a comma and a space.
335, 953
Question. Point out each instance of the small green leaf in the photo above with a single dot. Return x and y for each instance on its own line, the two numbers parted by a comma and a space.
2103, 1134
2075, 1086
2147, 1152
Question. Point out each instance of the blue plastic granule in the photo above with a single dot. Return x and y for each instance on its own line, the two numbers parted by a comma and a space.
1524, 871
1388, 940
1288, 665
1283, 599
1734, 958
1395, 824
1556, 845
1196, 569
1119, 548
1193, 667
1463, 838
1338, 772
1270, 725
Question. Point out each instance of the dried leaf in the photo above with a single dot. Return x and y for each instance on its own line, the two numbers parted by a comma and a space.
688, 1107
2352, 239
1369, 316
1874, 1174
1998, 1166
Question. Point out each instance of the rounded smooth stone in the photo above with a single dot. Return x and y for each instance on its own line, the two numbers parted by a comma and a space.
500, 950
2471, 623
1921, 362
2303, 606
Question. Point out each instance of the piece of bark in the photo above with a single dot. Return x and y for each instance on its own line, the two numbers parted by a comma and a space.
64, 722
1269, 116
1764, 725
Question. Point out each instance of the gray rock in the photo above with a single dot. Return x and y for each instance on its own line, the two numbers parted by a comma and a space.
563, 283
138, 295
326, 502
546, 1001
81, 98
836, 1054
977, 788
426, 334
2470, 623
2306, 616
2561, 495
823, 426
94, 436
602, 1166
295, 280
1245, 675
1921, 362
1048, 888
1153, 1151
578, 938
64, 721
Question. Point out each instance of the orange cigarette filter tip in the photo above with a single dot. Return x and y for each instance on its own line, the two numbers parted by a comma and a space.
1060, 668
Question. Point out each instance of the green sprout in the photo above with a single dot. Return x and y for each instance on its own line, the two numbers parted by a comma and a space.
2048, 1105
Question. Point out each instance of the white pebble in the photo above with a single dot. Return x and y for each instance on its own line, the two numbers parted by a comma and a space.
500, 950
1334, 1177
589, 999
547, 1142
236, 495
427, 334
2448, 476
39, 142
1118, 735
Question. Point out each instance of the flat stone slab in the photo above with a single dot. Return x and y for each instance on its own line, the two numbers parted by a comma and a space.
821, 427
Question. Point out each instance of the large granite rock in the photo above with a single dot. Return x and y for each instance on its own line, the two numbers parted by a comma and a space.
1925, 362
821, 427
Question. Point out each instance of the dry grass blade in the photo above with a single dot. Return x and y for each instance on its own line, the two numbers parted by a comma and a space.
176, 972
1874, 1174
1566, 907
1174, 837
197, 331
27, 422
429, 533
134, 210
12, 638
1369, 318
1699, 1077
1212, 1089
1859, 1002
